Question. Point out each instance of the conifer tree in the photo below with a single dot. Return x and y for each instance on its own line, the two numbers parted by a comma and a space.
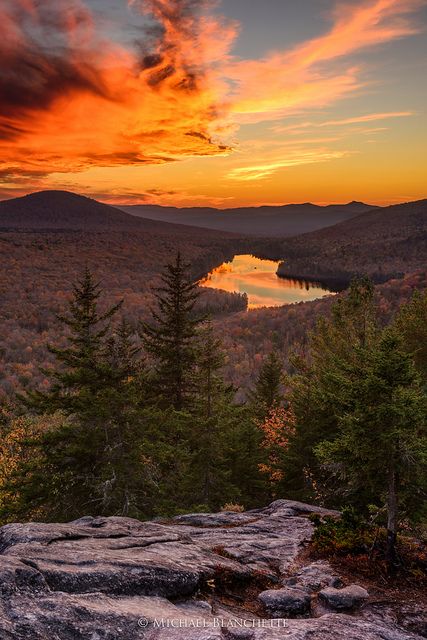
213, 414
171, 340
411, 322
267, 392
381, 444
318, 393
224, 439
92, 460
82, 370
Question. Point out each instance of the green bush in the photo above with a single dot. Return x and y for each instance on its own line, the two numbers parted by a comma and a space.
348, 534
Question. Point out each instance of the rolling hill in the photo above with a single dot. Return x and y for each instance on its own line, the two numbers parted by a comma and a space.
396, 221
385, 243
284, 221
64, 210
47, 238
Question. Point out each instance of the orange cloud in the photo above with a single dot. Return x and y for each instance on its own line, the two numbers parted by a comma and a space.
293, 159
72, 100
371, 117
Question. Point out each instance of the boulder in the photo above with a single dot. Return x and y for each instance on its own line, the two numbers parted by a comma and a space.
285, 603
350, 597
314, 577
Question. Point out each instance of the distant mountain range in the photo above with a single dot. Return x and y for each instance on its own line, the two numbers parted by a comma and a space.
302, 229
285, 220
398, 220
54, 210
66, 210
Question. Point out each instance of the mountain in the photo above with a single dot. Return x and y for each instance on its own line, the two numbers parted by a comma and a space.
286, 220
54, 210
64, 210
395, 221
384, 243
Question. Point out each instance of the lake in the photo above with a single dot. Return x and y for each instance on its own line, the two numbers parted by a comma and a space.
257, 278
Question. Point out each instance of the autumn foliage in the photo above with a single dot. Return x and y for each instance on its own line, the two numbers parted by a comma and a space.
277, 427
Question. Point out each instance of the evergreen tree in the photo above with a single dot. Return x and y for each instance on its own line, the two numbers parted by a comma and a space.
82, 370
122, 353
411, 322
265, 403
245, 457
318, 394
212, 418
171, 340
92, 461
268, 391
381, 444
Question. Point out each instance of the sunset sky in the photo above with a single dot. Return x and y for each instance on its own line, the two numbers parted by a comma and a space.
193, 102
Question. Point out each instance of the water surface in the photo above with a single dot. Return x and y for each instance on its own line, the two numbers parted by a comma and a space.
258, 279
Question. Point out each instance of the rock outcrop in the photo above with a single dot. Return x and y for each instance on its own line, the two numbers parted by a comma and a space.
196, 577
285, 603
351, 597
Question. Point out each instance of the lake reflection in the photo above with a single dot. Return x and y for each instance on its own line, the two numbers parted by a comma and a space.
257, 278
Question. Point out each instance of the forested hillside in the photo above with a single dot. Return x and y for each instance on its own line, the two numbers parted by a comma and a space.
38, 270
39, 267
385, 243
249, 336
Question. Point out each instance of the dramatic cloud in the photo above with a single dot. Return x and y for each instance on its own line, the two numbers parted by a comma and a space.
44, 53
71, 99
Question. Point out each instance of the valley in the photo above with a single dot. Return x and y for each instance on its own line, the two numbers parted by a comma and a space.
213, 320
48, 239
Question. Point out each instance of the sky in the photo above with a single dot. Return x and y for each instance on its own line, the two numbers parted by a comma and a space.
203, 102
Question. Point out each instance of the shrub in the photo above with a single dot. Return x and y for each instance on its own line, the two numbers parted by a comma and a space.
236, 508
349, 534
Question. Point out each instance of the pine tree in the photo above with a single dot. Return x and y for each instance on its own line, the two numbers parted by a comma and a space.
381, 445
82, 370
318, 389
245, 457
224, 439
171, 340
92, 461
122, 353
268, 391
411, 322
212, 417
